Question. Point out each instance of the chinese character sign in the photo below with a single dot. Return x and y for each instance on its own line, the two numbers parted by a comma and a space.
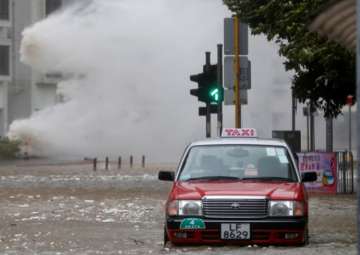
324, 164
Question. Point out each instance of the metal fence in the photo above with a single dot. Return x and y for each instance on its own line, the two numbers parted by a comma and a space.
345, 172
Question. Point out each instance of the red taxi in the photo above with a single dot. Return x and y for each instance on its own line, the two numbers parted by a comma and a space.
237, 189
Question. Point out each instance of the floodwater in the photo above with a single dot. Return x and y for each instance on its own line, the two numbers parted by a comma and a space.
67, 208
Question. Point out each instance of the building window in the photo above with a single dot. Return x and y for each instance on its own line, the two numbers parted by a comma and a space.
4, 60
52, 5
4, 9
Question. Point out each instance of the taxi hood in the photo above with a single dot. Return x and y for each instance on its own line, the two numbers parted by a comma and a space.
271, 190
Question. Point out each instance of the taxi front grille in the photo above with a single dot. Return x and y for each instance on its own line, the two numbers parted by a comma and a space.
235, 208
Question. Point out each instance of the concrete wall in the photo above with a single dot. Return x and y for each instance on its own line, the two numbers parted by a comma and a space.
27, 91
19, 91
5, 39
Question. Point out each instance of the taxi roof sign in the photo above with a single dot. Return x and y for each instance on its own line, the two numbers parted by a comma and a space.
239, 132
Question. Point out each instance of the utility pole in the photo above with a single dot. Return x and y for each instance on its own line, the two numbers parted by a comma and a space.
350, 128
329, 134
237, 67
237, 74
329, 130
312, 127
307, 114
293, 110
220, 83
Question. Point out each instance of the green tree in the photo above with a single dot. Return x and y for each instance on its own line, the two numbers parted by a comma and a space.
324, 70
9, 148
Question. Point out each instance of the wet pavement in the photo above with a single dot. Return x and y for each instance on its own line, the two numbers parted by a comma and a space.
71, 209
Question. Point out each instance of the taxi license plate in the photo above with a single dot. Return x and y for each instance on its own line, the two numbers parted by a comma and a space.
235, 231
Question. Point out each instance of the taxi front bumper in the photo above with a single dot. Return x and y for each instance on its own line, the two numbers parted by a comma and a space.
280, 231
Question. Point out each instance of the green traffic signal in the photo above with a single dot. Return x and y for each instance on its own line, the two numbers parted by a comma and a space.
215, 95
208, 90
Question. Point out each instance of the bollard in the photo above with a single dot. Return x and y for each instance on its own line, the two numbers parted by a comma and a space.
131, 161
107, 163
26, 156
143, 161
119, 163
94, 164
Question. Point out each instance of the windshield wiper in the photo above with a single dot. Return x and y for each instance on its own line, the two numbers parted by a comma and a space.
276, 178
219, 177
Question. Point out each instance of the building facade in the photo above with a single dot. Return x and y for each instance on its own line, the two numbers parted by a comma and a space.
23, 91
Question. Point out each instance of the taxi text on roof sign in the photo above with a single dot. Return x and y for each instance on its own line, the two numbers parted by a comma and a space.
239, 132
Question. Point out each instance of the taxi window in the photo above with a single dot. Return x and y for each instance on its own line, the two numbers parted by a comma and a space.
237, 162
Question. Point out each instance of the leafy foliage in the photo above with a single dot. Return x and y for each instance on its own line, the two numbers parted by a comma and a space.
9, 148
324, 71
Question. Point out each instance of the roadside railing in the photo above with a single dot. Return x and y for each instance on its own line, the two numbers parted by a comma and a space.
346, 175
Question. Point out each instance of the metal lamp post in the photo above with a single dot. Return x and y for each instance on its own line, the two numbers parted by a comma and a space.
349, 101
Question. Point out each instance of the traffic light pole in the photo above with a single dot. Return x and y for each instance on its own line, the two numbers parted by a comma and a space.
208, 121
237, 74
220, 83
210, 91
208, 109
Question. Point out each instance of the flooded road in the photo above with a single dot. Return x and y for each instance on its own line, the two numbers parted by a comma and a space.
70, 209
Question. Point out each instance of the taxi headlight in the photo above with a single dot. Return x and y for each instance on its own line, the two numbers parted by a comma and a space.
190, 207
172, 208
286, 208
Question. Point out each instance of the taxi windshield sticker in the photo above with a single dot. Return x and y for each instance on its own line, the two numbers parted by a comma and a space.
282, 156
280, 151
250, 170
270, 152
283, 159
192, 223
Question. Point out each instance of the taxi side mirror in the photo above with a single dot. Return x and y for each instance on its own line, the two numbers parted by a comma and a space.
309, 177
166, 176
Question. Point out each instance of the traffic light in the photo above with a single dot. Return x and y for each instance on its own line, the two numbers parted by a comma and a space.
208, 91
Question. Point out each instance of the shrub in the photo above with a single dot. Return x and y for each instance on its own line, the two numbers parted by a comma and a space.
9, 149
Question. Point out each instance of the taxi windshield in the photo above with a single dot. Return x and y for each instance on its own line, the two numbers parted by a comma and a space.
238, 162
